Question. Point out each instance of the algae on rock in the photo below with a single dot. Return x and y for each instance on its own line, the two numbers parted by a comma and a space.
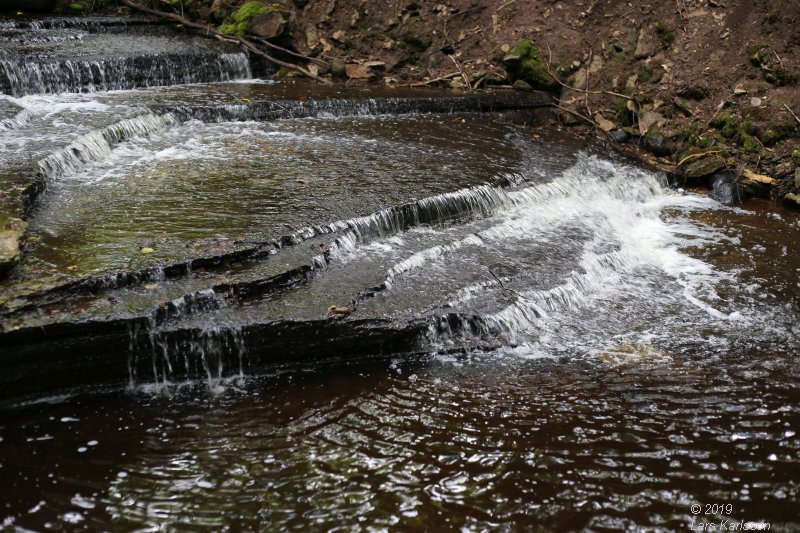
524, 62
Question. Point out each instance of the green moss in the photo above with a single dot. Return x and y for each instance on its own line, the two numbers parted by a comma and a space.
796, 156
645, 74
772, 16
748, 143
417, 40
757, 53
665, 33
79, 6
282, 72
338, 71
240, 19
525, 62
776, 132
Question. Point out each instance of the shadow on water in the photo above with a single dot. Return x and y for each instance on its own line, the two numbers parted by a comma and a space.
492, 440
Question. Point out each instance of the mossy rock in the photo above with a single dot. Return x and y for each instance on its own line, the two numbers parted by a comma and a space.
415, 39
240, 19
524, 62
704, 167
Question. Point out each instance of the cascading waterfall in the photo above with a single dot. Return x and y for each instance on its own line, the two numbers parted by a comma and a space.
91, 147
22, 77
19, 120
339, 107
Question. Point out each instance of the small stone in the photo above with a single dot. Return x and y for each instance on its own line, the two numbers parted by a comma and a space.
648, 120
784, 169
658, 144
604, 123
793, 199
755, 101
268, 25
364, 71
645, 46
338, 36
522, 85
620, 136
724, 189
684, 105
797, 178
338, 69
505, 47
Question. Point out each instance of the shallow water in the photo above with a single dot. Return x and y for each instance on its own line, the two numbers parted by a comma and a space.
493, 440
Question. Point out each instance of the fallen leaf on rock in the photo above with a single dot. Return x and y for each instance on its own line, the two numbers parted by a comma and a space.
146, 250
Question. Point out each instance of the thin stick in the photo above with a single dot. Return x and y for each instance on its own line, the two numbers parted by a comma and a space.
692, 156
461, 70
505, 5
584, 117
431, 82
792, 112
319, 62
244, 43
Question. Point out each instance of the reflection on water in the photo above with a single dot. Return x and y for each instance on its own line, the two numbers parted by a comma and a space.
491, 440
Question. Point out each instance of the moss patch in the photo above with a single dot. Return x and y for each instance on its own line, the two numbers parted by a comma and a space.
524, 62
240, 19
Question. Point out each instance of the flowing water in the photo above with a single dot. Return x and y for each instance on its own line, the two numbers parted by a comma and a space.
540, 334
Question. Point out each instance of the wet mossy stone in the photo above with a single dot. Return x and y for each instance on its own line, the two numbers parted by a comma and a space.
338, 69
724, 189
704, 167
522, 85
524, 62
242, 17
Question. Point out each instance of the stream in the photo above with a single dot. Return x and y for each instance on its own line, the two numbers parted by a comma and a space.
532, 331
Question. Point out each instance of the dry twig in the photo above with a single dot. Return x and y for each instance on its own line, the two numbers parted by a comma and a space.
701, 154
792, 112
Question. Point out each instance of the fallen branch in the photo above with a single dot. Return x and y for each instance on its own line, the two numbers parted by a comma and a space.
435, 80
268, 44
584, 117
587, 91
760, 178
209, 30
461, 70
701, 154
505, 5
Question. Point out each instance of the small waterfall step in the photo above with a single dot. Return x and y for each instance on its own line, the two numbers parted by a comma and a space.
66, 55
361, 105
